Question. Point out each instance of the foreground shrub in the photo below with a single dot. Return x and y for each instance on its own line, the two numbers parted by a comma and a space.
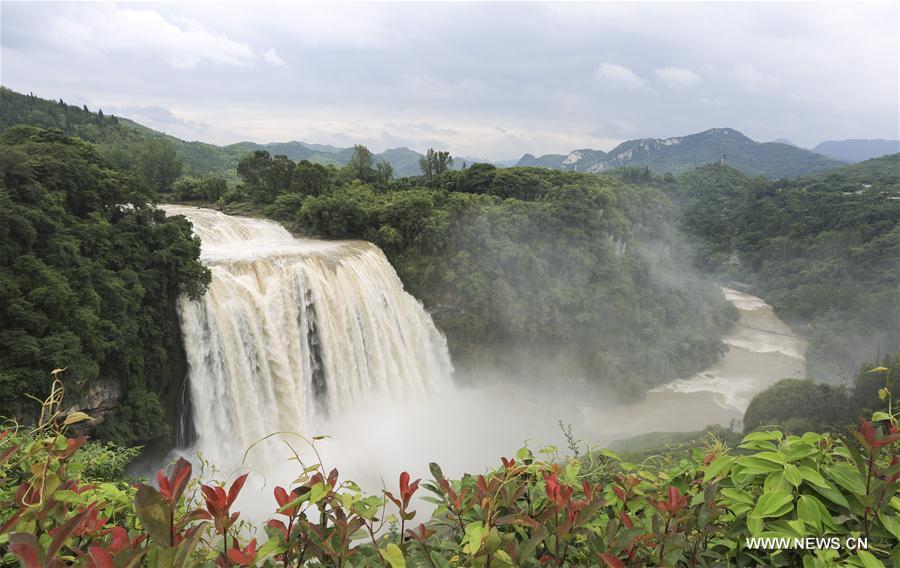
696, 509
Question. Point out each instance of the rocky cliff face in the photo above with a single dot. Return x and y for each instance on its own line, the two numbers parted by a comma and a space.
99, 399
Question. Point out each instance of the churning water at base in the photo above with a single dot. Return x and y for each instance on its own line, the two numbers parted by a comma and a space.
292, 331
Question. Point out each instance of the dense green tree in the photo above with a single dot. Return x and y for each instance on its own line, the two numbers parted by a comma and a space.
208, 188
384, 172
89, 279
360, 166
434, 163
159, 164
800, 406
311, 179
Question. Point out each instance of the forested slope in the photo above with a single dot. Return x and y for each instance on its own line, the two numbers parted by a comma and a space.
89, 277
122, 142
823, 250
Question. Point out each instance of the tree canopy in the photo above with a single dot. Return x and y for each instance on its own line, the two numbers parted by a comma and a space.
89, 277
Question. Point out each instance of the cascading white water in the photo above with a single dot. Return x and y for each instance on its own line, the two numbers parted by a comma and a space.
293, 330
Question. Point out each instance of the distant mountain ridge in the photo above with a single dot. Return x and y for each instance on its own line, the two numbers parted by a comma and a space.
857, 150
122, 138
683, 153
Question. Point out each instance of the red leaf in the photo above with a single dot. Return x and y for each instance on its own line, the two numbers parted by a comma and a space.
100, 557
867, 431
404, 482
281, 496
164, 488
65, 531
120, 539
236, 488
278, 525
887, 440
181, 474
243, 557
26, 547
588, 490
72, 445
674, 497
611, 561
8, 453
626, 520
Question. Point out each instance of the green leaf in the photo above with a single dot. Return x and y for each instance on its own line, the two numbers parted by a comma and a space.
798, 451
492, 542
272, 546
527, 548
473, 537
891, 523
719, 464
75, 418
813, 476
848, 478
775, 482
832, 494
153, 511
318, 491
737, 495
869, 560
773, 504
773, 435
808, 512
776, 457
438, 559
394, 556
755, 465
792, 475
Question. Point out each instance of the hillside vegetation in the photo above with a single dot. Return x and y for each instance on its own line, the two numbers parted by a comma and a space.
89, 277
824, 251
123, 141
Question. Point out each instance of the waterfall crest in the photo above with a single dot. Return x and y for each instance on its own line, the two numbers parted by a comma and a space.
293, 330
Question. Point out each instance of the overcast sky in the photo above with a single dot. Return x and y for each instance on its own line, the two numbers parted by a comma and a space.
487, 80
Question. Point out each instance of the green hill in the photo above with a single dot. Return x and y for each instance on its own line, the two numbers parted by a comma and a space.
823, 250
681, 154
120, 139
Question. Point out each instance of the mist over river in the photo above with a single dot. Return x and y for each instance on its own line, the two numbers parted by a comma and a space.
315, 337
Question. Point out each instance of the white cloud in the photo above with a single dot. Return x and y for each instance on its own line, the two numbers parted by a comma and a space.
272, 58
449, 64
616, 76
752, 78
112, 30
710, 101
677, 76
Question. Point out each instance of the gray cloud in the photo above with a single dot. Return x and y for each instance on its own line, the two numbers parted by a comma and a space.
492, 80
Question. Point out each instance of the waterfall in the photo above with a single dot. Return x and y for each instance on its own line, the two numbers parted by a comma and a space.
293, 330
